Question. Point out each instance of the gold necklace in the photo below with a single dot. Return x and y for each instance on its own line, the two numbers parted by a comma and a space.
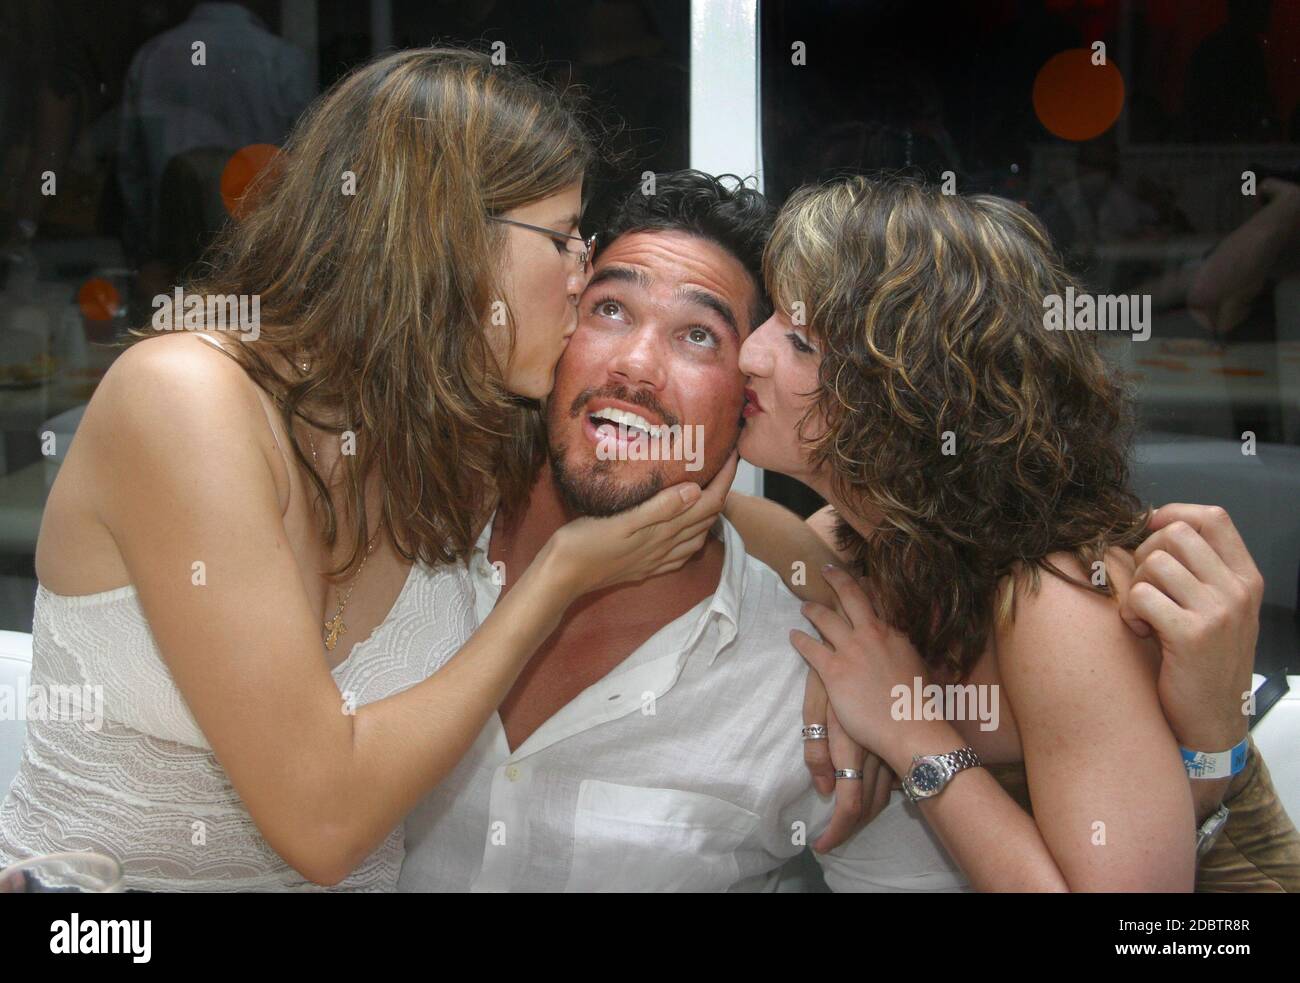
335, 627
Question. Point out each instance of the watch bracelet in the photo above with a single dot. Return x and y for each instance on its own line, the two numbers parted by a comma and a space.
963, 758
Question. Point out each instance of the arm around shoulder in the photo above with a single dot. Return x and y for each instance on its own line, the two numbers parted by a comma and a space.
796, 550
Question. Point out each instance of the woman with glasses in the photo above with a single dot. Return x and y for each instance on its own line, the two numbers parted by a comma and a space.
250, 560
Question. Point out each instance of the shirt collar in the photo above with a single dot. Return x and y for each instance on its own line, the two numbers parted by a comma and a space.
723, 606
725, 603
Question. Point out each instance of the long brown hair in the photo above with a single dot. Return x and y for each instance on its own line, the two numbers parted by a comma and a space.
384, 293
928, 309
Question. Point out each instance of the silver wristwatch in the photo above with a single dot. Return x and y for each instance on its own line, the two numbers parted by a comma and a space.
931, 773
1209, 831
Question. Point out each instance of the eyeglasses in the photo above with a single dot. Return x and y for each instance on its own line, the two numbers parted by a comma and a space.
585, 258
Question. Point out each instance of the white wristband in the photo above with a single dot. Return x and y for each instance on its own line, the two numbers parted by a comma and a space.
1215, 764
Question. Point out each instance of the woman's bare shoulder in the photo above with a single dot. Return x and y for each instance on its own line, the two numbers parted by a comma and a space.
1072, 630
171, 412
172, 359
174, 403
179, 382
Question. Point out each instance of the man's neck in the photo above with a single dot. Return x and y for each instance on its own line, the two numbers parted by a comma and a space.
598, 631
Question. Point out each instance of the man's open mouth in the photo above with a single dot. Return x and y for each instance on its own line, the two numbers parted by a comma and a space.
633, 424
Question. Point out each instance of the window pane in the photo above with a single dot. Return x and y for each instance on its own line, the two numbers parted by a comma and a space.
130, 134
1158, 142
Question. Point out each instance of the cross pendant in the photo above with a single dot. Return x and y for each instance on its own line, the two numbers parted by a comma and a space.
333, 629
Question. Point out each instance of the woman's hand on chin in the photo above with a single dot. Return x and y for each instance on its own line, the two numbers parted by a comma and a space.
658, 536
862, 660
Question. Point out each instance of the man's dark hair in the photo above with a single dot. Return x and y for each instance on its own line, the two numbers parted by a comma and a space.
739, 219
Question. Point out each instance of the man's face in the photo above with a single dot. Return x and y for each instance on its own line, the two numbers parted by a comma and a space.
660, 326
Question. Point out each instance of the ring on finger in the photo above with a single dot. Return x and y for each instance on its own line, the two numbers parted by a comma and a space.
848, 773
815, 732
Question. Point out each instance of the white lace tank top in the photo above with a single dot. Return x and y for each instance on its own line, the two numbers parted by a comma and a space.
144, 786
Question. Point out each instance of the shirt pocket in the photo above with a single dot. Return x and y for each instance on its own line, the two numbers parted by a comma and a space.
627, 838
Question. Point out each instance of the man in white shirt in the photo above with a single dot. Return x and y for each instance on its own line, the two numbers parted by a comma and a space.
654, 741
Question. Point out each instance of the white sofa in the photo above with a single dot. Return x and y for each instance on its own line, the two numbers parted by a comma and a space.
1278, 738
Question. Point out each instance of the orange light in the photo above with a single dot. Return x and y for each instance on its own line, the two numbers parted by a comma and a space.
1074, 98
241, 170
98, 300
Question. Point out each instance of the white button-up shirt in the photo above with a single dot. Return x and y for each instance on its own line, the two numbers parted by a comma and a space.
680, 770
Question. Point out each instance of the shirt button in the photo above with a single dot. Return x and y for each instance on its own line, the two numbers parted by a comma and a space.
512, 773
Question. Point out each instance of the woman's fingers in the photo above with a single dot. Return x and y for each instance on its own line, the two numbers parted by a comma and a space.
1150, 604
657, 536
1167, 572
665, 506
833, 628
705, 504
1216, 528
1120, 570
1181, 541
846, 818
816, 753
715, 494
818, 656
677, 556
695, 529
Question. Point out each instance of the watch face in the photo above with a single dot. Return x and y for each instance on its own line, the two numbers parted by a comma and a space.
927, 777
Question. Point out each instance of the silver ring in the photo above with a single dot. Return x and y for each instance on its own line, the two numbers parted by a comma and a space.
814, 732
848, 773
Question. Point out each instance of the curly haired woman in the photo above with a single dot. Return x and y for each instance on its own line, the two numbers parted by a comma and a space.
977, 472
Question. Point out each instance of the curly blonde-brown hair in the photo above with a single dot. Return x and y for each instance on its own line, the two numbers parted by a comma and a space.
384, 293
978, 441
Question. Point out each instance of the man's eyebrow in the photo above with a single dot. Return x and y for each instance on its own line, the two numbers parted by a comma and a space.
621, 274
714, 303
694, 295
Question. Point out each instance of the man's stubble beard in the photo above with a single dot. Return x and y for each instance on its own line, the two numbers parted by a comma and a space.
594, 490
